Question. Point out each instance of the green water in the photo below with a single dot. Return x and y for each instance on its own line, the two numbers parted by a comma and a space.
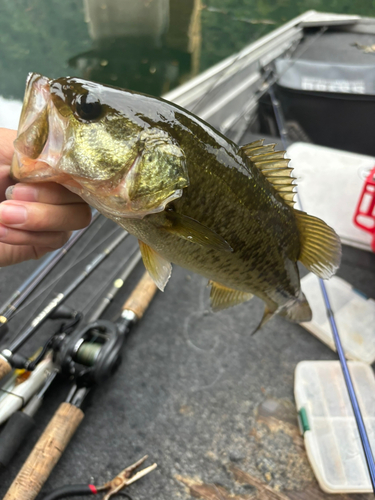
53, 37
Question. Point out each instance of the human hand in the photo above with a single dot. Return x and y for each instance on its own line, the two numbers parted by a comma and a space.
34, 218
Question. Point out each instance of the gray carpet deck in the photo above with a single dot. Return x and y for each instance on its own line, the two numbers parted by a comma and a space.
190, 388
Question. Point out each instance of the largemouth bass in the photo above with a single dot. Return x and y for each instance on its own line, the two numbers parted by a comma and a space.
191, 196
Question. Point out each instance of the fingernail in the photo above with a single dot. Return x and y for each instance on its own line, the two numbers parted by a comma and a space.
3, 232
21, 192
12, 214
9, 192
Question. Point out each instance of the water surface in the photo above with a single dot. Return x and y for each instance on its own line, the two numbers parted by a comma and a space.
146, 45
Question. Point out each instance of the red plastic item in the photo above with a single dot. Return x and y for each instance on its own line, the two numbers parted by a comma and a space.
364, 216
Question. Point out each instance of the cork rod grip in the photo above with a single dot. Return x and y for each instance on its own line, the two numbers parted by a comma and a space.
141, 296
46, 453
5, 367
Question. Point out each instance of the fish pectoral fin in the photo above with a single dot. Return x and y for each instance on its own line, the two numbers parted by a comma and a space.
320, 245
222, 297
158, 268
191, 230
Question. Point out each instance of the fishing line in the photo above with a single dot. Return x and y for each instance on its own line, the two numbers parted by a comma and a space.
13, 394
322, 30
86, 308
47, 265
59, 276
61, 297
42, 290
220, 77
240, 19
260, 93
85, 245
215, 83
340, 351
58, 279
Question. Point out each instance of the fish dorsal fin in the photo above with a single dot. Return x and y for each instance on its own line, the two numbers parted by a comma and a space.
253, 149
252, 145
222, 297
158, 268
191, 230
274, 167
320, 245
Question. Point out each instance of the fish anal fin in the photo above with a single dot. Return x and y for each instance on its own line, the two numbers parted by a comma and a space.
191, 230
299, 311
158, 268
267, 315
223, 297
320, 245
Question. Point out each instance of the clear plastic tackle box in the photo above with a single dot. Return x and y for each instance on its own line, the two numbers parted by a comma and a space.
331, 436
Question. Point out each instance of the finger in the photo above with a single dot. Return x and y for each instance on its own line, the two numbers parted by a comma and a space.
41, 217
5, 181
10, 254
6, 145
50, 239
46, 192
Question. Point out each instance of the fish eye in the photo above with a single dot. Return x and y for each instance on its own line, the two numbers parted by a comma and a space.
88, 107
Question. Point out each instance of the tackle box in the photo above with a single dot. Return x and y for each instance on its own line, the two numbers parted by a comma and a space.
328, 424
329, 184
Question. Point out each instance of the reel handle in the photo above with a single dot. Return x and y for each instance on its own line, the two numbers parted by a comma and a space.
141, 296
46, 453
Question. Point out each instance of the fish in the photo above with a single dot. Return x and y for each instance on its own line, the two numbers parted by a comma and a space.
190, 195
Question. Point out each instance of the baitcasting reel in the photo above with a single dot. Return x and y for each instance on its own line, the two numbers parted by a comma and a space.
92, 354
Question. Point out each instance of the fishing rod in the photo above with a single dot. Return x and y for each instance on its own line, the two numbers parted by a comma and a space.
91, 356
21, 393
8, 358
26, 394
331, 317
116, 286
8, 309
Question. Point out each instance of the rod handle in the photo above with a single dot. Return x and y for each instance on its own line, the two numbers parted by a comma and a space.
141, 296
5, 367
46, 453
13, 435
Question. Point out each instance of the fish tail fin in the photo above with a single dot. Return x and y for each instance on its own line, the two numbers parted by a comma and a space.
299, 311
320, 245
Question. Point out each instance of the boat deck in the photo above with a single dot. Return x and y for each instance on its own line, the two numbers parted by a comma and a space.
211, 404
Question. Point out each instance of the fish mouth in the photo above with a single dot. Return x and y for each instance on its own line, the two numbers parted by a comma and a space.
43, 152
39, 143
43, 135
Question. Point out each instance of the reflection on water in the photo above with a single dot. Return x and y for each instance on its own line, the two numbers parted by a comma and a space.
148, 45
145, 45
